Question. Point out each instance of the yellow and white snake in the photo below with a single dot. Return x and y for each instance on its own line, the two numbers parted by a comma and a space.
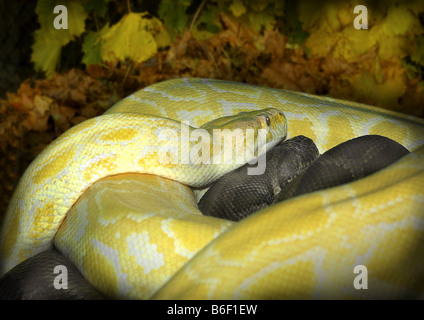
142, 235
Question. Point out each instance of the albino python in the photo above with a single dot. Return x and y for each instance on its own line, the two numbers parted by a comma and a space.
142, 236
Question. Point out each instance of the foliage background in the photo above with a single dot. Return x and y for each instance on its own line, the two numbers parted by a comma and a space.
52, 79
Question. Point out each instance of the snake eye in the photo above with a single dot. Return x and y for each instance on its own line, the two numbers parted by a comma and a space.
268, 121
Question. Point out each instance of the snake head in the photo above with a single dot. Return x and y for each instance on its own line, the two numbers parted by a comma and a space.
250, 133
270, 126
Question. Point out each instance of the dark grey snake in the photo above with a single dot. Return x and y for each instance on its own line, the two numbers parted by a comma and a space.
241, 194
293, 168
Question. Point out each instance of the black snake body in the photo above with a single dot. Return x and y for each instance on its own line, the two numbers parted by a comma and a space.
34, 278
346, 162
294, 168
238, 194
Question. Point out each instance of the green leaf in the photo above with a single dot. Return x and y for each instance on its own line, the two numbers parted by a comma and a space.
48, 39
173, 15
76, 18
92, 46
418, 56
44, 11
98, 6
45, 52
292, 27
208, 23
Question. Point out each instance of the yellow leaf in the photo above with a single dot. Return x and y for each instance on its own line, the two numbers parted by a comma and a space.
397, 46
163, 39
353, 43
331, 15
319, 16
386, 94
345, 15
237, 8
161, 35
130, 38
320, 43
261, 19
399, 20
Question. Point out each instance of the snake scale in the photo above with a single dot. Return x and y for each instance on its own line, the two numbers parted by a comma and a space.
142, 235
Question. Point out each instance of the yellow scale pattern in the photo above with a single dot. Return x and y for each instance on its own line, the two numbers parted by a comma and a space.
142, 236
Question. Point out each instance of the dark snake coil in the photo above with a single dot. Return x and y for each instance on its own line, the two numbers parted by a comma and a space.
294, 168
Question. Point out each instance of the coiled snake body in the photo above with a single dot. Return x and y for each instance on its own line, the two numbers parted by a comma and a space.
142, 236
